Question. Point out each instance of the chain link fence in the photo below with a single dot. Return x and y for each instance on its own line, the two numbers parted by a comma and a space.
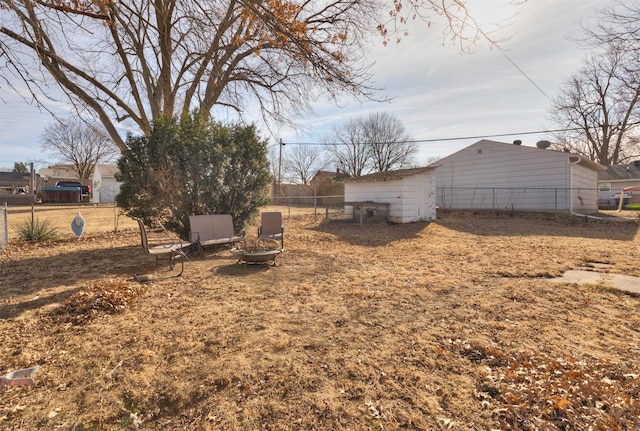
329, 207
4, 228
110, 218
98, 219
554, 200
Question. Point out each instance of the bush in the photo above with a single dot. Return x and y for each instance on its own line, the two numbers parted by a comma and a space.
194, 166
38, 230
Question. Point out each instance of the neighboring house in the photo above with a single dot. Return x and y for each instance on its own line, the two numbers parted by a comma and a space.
330, 183
402, 196
500, 176
329, 177
57, 173
105, 187
614, 179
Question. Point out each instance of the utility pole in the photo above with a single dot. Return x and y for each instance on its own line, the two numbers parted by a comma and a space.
280, 169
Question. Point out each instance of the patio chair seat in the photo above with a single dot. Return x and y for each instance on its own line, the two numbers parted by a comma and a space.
171, 249
271, 227
212, 229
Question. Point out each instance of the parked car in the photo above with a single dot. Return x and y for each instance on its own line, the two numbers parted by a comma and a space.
84, 190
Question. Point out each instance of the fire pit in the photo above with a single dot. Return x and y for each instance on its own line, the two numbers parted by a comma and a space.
264, 251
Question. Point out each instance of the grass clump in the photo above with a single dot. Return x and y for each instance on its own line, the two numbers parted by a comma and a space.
36, 230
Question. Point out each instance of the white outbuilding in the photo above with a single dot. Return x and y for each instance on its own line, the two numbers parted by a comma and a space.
105, 187
490, 175
401, 196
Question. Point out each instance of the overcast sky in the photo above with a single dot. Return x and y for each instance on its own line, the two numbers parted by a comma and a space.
437, 92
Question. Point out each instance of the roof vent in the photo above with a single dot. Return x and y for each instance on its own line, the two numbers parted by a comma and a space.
517, 142
543, 144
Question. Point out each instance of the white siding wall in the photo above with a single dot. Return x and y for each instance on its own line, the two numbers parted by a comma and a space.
584, 195
491, 175
407, 209
104, 188
376, 191
110, 189
96, 186
401, 195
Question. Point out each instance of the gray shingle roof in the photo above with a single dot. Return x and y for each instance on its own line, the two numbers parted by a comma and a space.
390, 175
621, 172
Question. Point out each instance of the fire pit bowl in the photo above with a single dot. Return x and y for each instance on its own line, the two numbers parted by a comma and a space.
257, 254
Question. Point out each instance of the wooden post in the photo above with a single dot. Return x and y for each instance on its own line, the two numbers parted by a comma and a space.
280, 170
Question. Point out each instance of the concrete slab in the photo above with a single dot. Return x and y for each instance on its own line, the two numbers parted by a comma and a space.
626, 283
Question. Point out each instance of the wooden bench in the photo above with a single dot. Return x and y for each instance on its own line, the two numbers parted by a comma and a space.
212, 229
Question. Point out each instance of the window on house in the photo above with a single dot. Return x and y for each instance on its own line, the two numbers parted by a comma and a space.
604, 187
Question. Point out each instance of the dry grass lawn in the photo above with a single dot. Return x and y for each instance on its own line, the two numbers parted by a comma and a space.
452, 324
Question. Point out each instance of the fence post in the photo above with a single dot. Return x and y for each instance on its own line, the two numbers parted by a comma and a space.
315, 202
115, 219
493, 204
4, 228
33, 222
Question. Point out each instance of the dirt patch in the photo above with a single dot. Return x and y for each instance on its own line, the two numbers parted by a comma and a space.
453, 324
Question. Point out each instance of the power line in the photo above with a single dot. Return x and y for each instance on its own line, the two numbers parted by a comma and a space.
522, 72
457, 138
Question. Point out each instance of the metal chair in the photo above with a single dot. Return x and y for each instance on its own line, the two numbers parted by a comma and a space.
271, 227
171, 249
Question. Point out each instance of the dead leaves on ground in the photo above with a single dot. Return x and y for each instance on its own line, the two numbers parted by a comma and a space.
535, 391
108, 296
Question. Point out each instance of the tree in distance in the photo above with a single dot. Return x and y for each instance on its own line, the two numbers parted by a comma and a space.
20, 167
302, 162
80, 144
373, 143
389, 142
600, 103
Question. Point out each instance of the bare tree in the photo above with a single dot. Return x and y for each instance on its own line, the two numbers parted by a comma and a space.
350, 149
81, 144
377, 142
303, 161
390, 144
617, 25
600, 103
130, 62
433, 159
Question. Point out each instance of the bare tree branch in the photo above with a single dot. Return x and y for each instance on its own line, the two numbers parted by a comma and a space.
81, 144
601, 101
303, 161
134, 61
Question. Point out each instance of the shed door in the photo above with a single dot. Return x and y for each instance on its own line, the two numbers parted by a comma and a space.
422, 198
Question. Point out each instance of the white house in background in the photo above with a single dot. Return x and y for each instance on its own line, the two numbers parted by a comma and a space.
500, 176
402, 196
614, 179
105, 187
